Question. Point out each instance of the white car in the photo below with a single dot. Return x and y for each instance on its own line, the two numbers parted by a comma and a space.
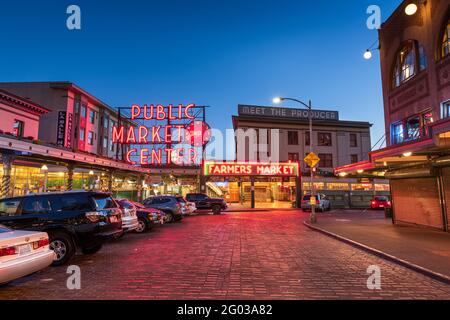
23, 253
130, 220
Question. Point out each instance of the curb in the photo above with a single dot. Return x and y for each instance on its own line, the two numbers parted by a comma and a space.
424, 271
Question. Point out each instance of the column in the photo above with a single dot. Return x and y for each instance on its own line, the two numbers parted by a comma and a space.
252, 192
6, 180
298, 192
70, 169
110, 180
139, 188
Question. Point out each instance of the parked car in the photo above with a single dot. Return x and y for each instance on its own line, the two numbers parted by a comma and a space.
23, 253
380, 202
187, 208
129, 215
203, 202
322, 203
148, 217
71, 219
168, 204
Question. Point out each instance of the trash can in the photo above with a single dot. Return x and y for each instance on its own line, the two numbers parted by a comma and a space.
388, 213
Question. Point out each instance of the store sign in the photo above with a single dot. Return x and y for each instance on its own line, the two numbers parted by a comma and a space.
165, 129
287, 113
251, 169
61, 128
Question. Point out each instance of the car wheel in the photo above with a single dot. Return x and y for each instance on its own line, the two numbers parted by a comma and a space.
62, 244
91, 250
216, 209
169, 217
142, 226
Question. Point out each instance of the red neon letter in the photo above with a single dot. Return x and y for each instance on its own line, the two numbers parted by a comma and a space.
186, 111
171, 116
146, 116
135, 111
160, 112
144, 157
192, 156
131, 137
156, 157
117, 135
155, 133
168, 134
128, 156
143, 133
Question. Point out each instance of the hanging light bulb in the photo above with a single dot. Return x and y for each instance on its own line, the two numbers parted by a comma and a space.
411, 9
368, 54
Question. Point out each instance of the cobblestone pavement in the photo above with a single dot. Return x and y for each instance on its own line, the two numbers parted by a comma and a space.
251, 255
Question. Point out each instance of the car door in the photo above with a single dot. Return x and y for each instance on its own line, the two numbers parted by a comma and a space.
202, 201
32, 214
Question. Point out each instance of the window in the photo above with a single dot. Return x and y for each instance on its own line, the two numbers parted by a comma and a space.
18, 128
405, 65
91, 117
71, 203
293, 156
105, 122
353, 158
413, 128
77, 106
446, 40
324, 139
445, 110
307, 138
397, 133
105, 142
36, 206
8, 207
326, 160
293, 138
83, 111
90, 138
111, 145
81, 134
104, 202
353, 140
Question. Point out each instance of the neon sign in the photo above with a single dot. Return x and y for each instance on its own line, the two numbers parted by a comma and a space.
289, 169
165, 129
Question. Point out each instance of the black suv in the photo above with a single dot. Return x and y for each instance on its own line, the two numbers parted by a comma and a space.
202, 201
71, 219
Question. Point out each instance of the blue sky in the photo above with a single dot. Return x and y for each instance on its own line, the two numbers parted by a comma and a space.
209, 52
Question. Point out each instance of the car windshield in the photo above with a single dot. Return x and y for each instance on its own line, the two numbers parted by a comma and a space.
8, 207
104, 202
383, 199
181, 200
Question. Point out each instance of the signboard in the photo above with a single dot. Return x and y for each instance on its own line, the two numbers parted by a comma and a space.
312, 159
61, 129
159, 134
287, 113
69, 130
290, 169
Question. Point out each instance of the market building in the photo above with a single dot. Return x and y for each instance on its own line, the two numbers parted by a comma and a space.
62, 142
267, 135
415, 67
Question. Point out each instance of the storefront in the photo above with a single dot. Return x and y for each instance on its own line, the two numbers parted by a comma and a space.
255, 185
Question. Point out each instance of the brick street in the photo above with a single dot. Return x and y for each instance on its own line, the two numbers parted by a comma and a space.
244, 255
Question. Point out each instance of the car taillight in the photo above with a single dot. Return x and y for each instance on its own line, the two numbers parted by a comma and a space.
93, 216
40, 243
389, 203
9, 251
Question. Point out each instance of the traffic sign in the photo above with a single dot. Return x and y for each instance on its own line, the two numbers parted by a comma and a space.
312, 159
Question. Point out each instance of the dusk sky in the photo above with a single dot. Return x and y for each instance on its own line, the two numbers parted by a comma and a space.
208, 52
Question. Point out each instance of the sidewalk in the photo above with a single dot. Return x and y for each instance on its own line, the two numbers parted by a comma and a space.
424, 248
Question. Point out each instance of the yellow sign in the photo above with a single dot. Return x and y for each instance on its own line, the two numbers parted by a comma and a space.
312, 159
313, 200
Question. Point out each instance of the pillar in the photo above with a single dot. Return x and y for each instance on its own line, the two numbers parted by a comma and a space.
110, 180
139, 188
6, 180
70, 169
202, 183
252, 192
298, 192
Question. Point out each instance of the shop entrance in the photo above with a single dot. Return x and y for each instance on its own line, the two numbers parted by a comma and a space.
258, 185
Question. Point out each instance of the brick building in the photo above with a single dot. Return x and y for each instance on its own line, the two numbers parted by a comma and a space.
415, 67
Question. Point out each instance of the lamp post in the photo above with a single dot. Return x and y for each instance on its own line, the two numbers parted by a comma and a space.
277, 100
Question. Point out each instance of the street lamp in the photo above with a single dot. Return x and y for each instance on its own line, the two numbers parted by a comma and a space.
44, 169
277, 100
411, 9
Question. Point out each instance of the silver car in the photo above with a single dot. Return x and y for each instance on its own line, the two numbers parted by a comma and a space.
130, 220
322, 203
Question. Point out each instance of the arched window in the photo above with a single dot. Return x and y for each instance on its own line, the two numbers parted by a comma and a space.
410, 60
446, 40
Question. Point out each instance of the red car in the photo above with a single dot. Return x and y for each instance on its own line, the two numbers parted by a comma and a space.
380, 203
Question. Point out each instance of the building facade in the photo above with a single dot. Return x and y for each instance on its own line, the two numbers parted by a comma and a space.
281, 135
77, 120
415, 68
